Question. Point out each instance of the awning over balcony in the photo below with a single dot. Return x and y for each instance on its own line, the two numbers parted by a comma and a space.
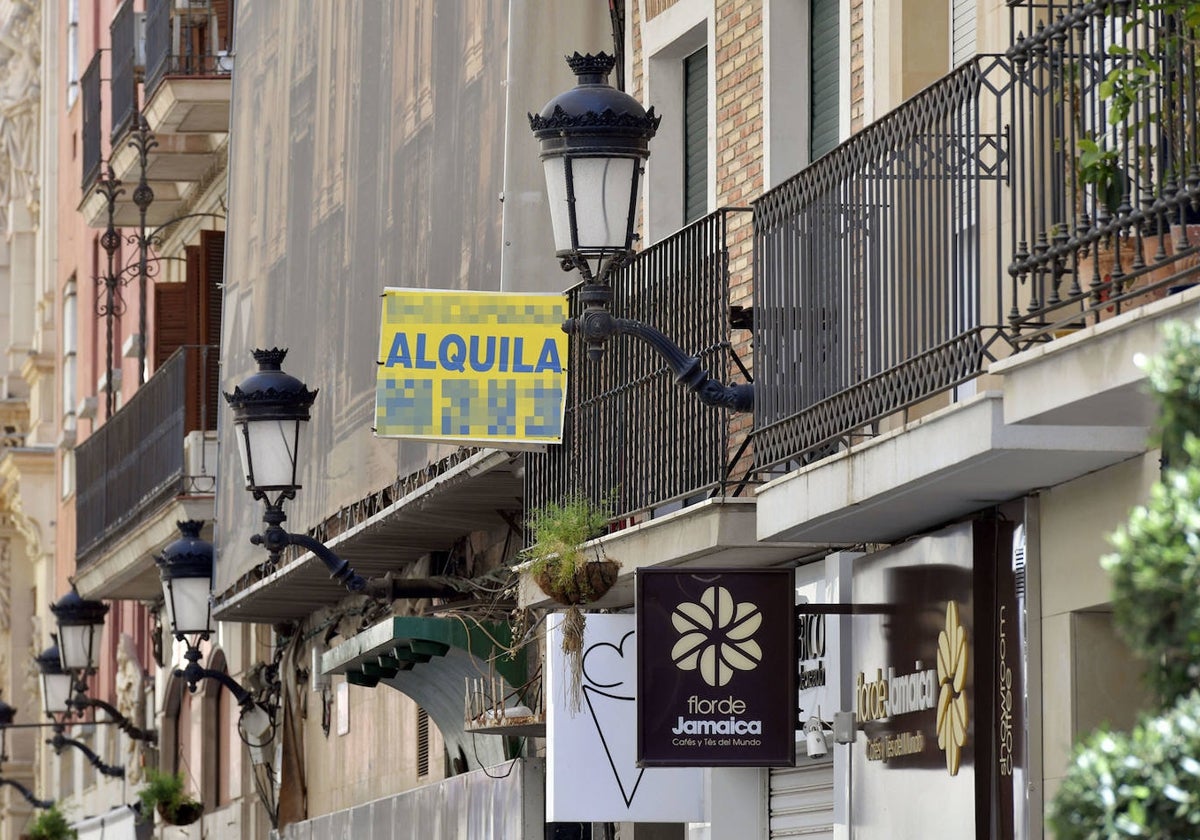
431, 660
475, 494
953, 462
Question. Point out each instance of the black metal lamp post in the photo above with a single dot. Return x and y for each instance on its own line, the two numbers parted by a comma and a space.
594, 140
57, 684
7, 715
185, 567
270, 413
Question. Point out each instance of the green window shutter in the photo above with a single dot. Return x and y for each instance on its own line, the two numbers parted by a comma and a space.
825, 73
695, 135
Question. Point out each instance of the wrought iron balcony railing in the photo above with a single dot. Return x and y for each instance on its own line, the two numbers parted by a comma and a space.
631, 435
193, 42
872, 287
136, 462
1013, 200
1106, 195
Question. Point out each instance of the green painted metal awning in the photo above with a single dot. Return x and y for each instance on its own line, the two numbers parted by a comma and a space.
431, 661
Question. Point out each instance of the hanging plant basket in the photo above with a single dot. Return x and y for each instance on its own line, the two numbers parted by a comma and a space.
183, 813
589, 582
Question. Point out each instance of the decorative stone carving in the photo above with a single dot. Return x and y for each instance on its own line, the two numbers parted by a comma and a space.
130, 688
20, 94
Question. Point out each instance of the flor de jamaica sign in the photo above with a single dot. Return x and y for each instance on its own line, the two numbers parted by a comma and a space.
716, 668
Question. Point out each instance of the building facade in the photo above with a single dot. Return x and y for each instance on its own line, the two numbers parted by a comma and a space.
882, 213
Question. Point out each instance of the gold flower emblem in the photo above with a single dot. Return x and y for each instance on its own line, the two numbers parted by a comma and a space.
952, 713
715, 636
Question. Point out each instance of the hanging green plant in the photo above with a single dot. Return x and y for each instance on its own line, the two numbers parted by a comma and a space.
164, 792
568, 572
51, 824
559, 561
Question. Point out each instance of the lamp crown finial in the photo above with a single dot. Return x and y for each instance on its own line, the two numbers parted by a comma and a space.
270, 359
598, 64
190, 528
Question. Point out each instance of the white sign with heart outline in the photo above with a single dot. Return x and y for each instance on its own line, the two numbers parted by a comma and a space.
591, 767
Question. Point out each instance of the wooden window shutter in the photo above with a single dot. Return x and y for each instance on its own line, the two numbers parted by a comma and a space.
175, 307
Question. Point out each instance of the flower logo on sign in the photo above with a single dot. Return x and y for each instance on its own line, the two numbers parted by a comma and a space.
715, 636
952, 713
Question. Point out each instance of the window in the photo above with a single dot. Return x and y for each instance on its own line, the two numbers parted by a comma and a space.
70, 369
825, 69
680, 174
695, 135
72, 52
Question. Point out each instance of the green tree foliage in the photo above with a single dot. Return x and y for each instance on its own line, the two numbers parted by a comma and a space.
1145, 784
51, 824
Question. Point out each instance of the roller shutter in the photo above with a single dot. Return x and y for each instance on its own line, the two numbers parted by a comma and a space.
802, 801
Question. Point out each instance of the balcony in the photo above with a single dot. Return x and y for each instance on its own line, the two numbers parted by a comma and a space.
999, 223
188, 66
190, 120
151, 464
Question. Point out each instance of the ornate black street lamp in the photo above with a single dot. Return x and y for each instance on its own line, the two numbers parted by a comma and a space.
80, 624
185, 567
270, 416
594, 141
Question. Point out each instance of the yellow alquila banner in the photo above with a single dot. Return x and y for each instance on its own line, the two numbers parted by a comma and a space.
472, 366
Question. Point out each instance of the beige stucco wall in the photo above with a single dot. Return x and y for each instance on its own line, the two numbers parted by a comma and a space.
1089, 675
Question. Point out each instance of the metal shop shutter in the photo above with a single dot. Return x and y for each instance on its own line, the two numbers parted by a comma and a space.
802, 801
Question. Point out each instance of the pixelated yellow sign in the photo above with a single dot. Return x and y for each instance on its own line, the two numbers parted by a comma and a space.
472, 366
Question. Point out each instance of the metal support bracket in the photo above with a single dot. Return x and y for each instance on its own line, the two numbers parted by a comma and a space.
596, 325
28, 794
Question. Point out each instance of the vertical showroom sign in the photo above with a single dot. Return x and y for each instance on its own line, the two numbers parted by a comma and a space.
716, 668
486, 367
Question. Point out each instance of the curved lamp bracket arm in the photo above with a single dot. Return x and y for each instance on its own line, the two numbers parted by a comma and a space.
193, 673
119, 720
59, 741
275, 539
28, 794
339, 569
595, 326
